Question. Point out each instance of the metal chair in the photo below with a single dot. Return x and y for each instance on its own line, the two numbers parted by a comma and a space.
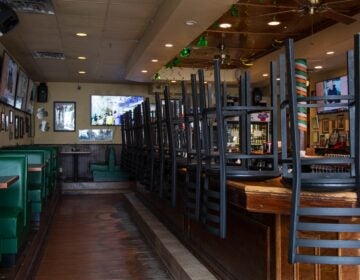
223, 162
321, 235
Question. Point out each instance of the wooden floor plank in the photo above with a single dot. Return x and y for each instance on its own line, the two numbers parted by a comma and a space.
92, 237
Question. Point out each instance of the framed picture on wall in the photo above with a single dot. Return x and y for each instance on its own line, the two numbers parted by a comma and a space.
341, 122
11, 116
64, 116
2, 124
315, 138
6, 123
325, 125
21, 90
8, 80
16, 128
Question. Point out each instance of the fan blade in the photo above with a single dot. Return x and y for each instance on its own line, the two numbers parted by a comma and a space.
338, 2
279, 13
331, 14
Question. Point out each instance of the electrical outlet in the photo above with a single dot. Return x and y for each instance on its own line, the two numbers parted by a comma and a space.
60, 170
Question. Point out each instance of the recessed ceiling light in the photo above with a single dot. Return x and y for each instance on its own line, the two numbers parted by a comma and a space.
225, 25
144, 71
265, 75
205, 82
190, 22
169, 45
330, 52
273, 23
173, 81
82, 72
81, 57
81, 34
278, 79
155, 60
318, 67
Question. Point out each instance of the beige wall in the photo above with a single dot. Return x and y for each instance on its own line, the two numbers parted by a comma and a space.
71, 92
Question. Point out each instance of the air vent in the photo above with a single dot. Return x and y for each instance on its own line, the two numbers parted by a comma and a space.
31, 6
49, 55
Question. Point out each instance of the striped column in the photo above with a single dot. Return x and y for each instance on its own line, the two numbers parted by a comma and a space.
301, 77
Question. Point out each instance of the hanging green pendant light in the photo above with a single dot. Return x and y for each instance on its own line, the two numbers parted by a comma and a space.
185, 52
202, 42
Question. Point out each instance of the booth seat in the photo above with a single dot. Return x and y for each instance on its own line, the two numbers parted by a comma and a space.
14, 208
108, 171
36, 180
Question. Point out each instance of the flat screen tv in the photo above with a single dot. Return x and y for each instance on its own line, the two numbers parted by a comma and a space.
8, 80
335, 86
107, 109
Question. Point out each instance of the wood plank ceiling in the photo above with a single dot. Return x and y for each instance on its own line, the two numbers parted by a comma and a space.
124, 35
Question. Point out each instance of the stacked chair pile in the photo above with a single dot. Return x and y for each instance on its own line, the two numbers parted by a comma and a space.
191, 134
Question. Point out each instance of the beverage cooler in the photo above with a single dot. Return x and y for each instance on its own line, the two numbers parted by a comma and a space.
260, 137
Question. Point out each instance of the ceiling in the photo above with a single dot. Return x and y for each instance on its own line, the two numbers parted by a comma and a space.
125, 35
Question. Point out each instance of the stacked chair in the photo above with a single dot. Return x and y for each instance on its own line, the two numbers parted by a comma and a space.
321, 234
221, 161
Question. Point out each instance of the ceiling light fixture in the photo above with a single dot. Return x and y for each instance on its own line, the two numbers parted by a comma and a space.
144, 71
169, 45
154, 60
173, 81
81, 57
191, 22
273, 22
330, 52
225, 25
82, 72
265, 75
318, 67
81, 34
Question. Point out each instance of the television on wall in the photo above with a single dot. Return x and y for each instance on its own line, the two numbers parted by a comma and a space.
107, 109
8, 80
334, 86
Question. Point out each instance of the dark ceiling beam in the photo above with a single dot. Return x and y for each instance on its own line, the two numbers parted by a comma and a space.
252, 33
258, 5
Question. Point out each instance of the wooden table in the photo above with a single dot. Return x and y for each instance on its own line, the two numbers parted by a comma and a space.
36, 167
75, 155
7, 181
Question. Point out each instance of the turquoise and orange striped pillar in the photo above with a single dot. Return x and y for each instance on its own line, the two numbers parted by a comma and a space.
301, 77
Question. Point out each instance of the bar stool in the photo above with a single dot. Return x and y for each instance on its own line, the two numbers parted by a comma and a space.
321, 235
222, 162
193, 148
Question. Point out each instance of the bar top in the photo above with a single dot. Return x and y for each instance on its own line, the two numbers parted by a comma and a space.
7, 181
36, 167
75, 152
272, 196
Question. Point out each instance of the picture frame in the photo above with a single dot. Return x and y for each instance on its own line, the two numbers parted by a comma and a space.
6, 122
315, 138
21, 127
2, 121
11, 113
16, 127
315, 122
64, 116
21, 90
325, 125
341, 122
9, 74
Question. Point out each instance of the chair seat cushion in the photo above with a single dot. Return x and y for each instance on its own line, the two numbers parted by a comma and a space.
110, 176
11, 221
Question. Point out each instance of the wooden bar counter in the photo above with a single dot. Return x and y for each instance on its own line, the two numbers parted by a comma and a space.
256, 246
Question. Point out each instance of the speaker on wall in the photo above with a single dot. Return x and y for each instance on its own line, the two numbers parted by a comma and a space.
42, 92
8, 18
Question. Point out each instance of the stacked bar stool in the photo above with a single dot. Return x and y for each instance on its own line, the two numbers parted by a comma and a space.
221, 163
193, 148
175, 146
321, 235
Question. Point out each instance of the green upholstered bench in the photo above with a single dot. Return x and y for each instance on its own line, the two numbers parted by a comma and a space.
37, 181
14, 208
108, 172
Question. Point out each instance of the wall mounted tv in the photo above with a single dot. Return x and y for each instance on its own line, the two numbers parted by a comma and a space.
107, 109
335, 86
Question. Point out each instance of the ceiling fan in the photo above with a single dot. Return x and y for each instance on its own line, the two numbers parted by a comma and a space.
308, 7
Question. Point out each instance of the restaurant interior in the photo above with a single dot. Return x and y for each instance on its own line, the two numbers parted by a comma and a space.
218, 138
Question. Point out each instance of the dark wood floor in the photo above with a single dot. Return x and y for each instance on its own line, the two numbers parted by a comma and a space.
92, 237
